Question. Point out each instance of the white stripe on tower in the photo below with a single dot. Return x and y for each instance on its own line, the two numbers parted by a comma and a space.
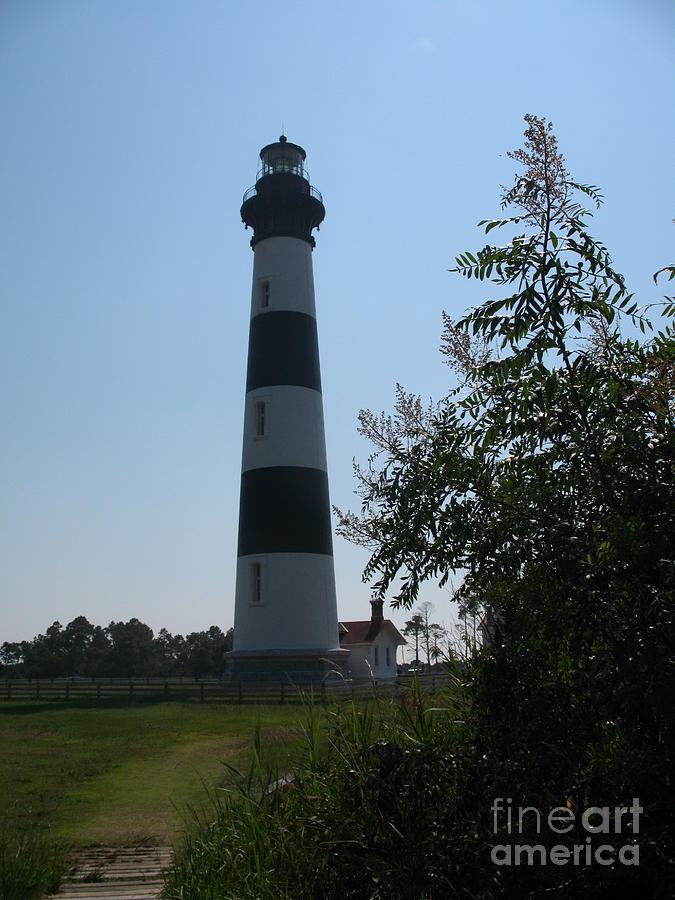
285, 594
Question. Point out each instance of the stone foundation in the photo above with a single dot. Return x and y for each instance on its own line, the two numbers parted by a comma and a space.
299, 667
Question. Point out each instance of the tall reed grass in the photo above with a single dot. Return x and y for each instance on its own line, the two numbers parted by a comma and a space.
360, 813
31, 865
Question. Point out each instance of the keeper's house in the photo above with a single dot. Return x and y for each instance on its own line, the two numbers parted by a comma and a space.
372, 645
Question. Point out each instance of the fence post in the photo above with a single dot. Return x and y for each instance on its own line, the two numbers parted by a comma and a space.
37, 690
131, 689
9, 690
201, 691
166, 690
98, 690
67, 690
240, 693
282, 691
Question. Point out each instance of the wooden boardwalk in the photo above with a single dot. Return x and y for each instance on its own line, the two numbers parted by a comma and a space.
115, 873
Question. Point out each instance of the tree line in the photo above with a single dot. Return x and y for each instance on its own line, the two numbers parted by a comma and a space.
122, 649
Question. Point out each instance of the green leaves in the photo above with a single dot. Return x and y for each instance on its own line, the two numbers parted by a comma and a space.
544, 420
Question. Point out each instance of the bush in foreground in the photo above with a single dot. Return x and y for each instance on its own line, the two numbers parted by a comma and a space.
393, 800
30, 865
367, 811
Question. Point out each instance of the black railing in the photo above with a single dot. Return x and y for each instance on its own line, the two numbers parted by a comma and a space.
312, 191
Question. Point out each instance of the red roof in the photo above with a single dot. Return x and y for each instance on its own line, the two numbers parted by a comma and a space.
360, 632
364, 632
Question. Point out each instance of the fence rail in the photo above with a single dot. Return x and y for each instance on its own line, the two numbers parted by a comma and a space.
201, 689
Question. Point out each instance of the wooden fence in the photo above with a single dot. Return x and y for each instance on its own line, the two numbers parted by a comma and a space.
202, 689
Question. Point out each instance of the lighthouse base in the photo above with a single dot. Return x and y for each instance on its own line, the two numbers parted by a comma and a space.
300, 667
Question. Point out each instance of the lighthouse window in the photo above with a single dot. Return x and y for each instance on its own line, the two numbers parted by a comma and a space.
260, 418
265, 294
377, 660
256, 582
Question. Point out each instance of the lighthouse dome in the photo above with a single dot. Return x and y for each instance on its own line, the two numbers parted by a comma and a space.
283, 157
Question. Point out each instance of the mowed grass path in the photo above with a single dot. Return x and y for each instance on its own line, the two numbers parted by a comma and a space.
123, 773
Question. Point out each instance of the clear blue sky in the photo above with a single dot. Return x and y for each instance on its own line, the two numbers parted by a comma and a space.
130, 131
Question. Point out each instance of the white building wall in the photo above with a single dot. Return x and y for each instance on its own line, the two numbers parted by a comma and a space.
358, 656
382, 642
362, 658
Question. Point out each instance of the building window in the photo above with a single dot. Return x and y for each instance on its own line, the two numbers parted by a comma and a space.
260, 418
388, 658
256, 582
377, 660
264, 294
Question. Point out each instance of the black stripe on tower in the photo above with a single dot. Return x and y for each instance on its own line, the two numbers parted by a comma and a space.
284, 509
283, 348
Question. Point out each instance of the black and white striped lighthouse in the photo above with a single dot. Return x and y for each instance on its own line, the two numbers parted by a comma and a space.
285, 618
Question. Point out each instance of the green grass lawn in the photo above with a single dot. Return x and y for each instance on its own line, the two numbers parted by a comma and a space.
119, 773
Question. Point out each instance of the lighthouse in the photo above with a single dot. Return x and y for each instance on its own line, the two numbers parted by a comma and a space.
285, 620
